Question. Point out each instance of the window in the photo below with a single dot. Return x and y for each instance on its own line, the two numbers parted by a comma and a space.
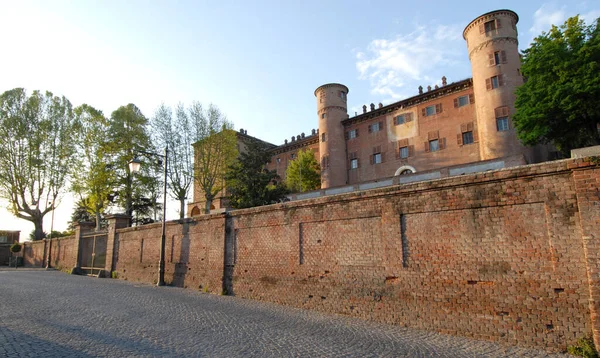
501, 118
325, 161
496, 58
375, 127
292, 155
434, 145
490, 26
377, 158
494, 82
467, 134
323, 137
353, 160
352, 134
403, 152
434, 142
463, 101
502, 124
467, 138
431, 110
323, 115
342, 95
3, 239
278, 160
403, 118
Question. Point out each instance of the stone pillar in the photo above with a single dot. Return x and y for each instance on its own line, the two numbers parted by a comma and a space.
115, 222
587, 187
82, 227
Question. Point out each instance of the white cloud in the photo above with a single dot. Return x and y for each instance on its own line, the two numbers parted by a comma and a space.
395, 66
545, 17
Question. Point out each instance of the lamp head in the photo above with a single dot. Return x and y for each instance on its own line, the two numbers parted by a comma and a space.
135, 165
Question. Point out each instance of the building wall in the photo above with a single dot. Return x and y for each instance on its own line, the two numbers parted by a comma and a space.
8, 238
415, 134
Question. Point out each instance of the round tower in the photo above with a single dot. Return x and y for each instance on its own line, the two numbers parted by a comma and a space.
332, 110
493, 50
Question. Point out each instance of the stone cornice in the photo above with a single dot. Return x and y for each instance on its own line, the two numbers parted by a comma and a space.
295, 145
497, 39
331, 85
332, 107
409, 102
489, 16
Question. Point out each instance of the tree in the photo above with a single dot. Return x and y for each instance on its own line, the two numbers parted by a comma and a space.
80, 214
249, 183
36, 146
127, 138
215, 150
304, 172
178, 133
93, 176
558, 103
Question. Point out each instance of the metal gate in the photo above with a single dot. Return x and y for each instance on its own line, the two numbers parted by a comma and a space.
93, 253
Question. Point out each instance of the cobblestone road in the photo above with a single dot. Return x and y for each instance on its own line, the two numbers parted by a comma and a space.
52, 314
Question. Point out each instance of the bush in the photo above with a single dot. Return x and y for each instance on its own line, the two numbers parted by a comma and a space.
15, 248
584, 348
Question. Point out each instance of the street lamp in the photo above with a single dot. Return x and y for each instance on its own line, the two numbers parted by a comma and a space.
134, 167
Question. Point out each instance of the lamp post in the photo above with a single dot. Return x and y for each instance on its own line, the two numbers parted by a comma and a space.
134, 167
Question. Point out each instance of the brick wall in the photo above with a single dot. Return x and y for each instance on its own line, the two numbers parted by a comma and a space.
64, 253
496, 255
193, 253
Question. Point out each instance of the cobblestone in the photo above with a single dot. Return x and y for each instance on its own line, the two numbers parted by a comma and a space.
51, 314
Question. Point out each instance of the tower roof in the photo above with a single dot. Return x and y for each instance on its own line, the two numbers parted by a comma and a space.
331, 85
488, 14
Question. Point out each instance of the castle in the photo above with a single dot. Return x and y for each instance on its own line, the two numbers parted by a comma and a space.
462, 122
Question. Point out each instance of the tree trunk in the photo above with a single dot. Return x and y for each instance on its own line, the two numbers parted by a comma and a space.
208, 205
181, 208
38, 223
98, 218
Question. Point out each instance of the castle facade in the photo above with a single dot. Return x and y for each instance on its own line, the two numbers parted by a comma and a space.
456, 123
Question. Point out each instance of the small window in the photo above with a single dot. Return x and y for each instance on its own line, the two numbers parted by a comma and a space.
352, 134
502, 124
278, 160
430, 110
497, 58
292, 155
3, 239
375, 127
323, 115
353, 163
404, 152
494, 82
325, 161
434, 145
490, 26
463, 101
342, 95
467, 138
401, 119
377, 158
323, 137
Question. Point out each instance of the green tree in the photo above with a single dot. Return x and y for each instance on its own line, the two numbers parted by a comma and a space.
36, 152
558, 103
93, 176
249, 183
81, 213
304, 172
215, 150
127, 138
179, 132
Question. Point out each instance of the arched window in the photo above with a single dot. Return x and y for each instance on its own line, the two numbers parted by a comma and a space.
404, 170
195, 211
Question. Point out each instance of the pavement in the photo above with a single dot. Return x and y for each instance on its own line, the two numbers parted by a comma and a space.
52, 314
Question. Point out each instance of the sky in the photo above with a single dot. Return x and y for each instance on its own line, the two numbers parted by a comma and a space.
258, 61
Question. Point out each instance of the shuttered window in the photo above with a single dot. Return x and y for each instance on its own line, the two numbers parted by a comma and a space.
467, 135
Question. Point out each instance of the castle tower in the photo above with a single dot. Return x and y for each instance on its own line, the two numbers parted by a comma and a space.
495, 62
332, 110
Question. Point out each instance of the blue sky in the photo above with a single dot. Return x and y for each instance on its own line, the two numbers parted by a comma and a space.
259, 61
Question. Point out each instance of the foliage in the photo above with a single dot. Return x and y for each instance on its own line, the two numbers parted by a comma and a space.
584, 348
16, 248
303, 173
559, 101
114, 275
177, 132
80, 214
215, 150
93, 176
37, 150
128, 137
249, 183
